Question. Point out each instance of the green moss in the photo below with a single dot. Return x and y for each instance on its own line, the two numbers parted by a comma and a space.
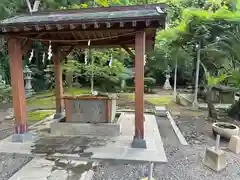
165, 100
48, 102
76, 91
131, 96
38, 115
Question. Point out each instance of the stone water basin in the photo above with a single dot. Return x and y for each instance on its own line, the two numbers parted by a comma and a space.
225, 130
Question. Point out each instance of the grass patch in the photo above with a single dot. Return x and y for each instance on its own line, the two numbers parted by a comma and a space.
159, 101
131, 96
76, 91
47, 98
38, 115
48, 102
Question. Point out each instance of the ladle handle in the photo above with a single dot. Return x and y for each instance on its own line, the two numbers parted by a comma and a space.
217, 142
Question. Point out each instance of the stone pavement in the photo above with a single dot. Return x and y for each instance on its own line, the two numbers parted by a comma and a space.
53, 169
49, 152
97, 148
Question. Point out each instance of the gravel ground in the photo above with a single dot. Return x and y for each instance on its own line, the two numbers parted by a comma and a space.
11, 163
184, 162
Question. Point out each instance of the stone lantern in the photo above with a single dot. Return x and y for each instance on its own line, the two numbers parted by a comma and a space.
28, 79
167, 85
49, 75
2, 82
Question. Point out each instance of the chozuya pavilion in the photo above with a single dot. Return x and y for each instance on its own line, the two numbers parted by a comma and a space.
128, 27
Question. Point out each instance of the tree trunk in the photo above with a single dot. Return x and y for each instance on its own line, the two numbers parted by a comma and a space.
212, 112
175, 82
195, 101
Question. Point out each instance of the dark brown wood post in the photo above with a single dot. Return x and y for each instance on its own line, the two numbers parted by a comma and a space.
17, 82
58, 81
139, 84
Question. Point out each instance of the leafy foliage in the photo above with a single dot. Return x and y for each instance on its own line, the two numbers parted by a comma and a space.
149, 84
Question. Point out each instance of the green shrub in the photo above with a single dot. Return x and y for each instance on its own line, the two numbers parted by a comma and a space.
149, 84
6, 94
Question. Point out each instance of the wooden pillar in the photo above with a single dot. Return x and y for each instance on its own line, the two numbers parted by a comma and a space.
139, 84
17, 82
58, 81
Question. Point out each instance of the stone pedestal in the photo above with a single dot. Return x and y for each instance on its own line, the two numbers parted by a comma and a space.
139, 143
215, 159
234, 144
161, 111
19, 138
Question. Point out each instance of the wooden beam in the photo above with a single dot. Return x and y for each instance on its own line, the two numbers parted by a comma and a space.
66, 53
25, 28
72, 26
38, 28
48, 27
95, 35
66, 31
16, 29
96, 25
147, 23
75, 36
17, 83
108, 24
139, 84
121, 24
59, 27
84, 26
26, 46
28, 43
132, 55
134, 23
4, 29
79, 34
58, 80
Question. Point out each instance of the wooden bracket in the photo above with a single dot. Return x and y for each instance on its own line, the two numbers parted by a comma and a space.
26, 45
128, 51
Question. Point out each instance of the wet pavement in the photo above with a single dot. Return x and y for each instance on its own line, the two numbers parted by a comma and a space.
67, 145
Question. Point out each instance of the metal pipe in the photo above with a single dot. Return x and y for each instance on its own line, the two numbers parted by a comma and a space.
150, 170
217, 142
195, 101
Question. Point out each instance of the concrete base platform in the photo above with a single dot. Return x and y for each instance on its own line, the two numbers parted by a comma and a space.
234, 144
120, 148
161, 111
22, 137
92, 148
215, 160
85, 129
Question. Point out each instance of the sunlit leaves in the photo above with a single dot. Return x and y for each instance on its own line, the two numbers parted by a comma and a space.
103, 3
